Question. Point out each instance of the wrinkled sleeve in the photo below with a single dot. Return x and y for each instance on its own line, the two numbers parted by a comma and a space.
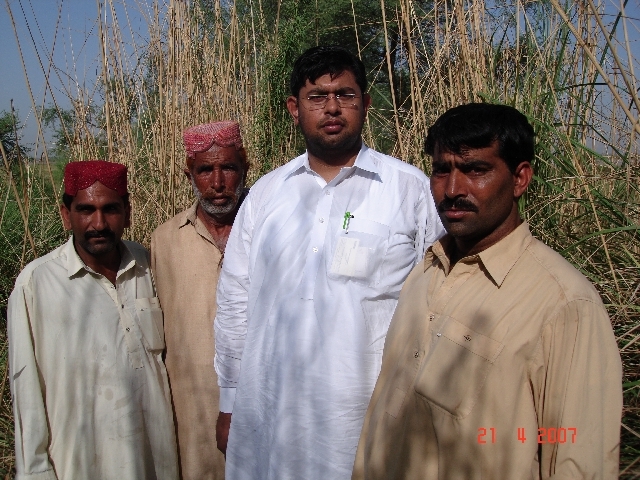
230, 324
31, 426
578, 389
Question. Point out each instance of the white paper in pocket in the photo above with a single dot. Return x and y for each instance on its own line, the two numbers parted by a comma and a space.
350, 258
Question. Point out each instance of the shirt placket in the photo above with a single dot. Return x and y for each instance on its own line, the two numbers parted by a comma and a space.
119, 296
441, 294
127, 321
317, 241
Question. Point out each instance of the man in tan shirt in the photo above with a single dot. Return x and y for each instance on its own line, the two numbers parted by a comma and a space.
500, 362
186, 255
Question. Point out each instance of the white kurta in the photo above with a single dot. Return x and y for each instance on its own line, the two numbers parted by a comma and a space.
90, 392
310, 280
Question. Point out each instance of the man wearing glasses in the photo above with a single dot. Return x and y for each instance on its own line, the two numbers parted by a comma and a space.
312, 272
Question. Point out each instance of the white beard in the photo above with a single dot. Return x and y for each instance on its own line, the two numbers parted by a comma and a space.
217, 210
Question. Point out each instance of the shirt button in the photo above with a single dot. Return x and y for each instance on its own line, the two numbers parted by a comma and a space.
315, 249
416, 355
122, 306
127, 329
327, 192
431, 317
322, 220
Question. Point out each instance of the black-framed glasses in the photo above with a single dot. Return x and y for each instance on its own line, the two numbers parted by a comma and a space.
317, 101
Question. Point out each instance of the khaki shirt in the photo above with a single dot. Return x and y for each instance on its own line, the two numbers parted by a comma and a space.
186, 264
90, 392
502, 367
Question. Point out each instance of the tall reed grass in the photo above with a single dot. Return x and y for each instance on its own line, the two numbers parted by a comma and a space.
570, 67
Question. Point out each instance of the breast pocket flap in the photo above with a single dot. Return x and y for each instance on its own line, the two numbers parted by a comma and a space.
369, 226
479, 344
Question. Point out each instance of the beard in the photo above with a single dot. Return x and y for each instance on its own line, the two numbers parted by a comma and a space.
218, 210
325, 146
109, 242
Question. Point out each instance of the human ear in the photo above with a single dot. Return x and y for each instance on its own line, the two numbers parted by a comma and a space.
292, 106
366, 101
65, 214
522, 177
127, 215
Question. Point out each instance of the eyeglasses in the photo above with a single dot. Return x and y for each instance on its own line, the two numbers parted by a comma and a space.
345, 100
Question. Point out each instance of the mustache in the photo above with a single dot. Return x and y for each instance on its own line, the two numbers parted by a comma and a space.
458, 203
106, 233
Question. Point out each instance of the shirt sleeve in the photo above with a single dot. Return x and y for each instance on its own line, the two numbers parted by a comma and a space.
31, 426
435, 230
230, 324
577, 381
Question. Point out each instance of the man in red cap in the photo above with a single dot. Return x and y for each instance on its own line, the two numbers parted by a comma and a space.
90, 392
186, 256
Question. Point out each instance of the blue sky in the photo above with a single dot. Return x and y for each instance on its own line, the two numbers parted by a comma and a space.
65, 30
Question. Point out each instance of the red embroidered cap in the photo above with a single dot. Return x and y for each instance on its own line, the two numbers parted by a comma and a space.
201, 138
81, 175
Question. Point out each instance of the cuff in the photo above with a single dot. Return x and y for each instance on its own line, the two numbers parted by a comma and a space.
227, 399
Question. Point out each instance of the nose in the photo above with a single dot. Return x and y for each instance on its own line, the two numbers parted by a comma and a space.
99, 221
217, 180
455, 186
332, 104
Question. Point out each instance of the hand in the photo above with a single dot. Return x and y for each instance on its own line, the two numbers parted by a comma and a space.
222, 431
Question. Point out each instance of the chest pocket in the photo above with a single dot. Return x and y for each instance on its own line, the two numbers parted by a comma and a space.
150, 320
359, 251
456, 369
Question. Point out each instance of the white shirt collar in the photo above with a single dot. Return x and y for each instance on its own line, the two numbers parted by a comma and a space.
364, 161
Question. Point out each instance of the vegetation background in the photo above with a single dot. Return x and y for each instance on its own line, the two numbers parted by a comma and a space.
568, 65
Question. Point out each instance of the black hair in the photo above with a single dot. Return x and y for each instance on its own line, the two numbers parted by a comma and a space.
322, 60
478, 125
68, 199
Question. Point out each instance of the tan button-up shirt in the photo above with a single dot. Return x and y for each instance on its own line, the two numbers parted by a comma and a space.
502, 367
186, 264
90, 392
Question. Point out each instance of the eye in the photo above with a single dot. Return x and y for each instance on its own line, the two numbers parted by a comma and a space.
84, 209
474, 169
317, 99
440, 169
346, 96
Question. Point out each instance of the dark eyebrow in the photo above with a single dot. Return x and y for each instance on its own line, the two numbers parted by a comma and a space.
474, 163
324, 91
112, 205
82, 206
89, 206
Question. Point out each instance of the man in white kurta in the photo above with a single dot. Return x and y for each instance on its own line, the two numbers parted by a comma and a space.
310, 280
90, 392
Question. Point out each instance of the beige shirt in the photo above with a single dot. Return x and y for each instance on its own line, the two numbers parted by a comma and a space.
186, 264
90, 392
510, 344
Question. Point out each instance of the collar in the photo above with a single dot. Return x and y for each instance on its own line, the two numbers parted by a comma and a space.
498, 259
75, 263
189, 215
364, 161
